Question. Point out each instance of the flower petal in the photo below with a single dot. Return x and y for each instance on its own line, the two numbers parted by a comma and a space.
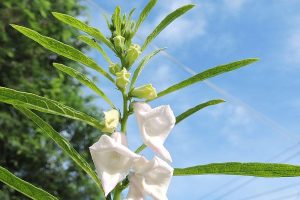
151, 178
155, 126
112, 160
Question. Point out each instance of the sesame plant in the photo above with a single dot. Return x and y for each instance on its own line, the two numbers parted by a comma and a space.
116, 167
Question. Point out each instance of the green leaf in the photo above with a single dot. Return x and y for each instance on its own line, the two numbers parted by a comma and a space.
72, 21
62, 49
117, 20
267, 170
144, 14
24, 187
95, 45
141, 65
195, 109
63, 143
140, 149
83, 79
207, 74
165, 22
43, 104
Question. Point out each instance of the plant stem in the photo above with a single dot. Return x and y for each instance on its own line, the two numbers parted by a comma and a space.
117, 193
125, 113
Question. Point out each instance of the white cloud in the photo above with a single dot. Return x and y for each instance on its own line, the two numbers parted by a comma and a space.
233, 6
293, 47
182, 30
237, 123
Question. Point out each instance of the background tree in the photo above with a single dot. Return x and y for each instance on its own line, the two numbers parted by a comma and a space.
26, 66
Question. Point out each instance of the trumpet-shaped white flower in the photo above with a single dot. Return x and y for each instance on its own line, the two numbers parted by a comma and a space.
155, 125
151, 178
112, 159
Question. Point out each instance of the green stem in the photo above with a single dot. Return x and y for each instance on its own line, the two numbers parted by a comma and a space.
125, 113
117, 193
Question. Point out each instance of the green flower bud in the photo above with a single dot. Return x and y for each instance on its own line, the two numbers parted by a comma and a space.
133, 53
119, 42
147, 92
122, 78
114, 68
111, 120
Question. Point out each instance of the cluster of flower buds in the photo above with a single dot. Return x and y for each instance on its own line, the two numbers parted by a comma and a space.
123, 29
114, 161
126, 24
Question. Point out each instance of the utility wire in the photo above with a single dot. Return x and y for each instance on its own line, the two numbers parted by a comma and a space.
279, 189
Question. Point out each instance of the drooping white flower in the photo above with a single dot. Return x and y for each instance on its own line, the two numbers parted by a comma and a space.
112, 159
155, 125
150, 178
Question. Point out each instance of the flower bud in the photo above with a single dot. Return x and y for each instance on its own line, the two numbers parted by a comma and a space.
133, 53
122, 78
147, 92
119, 42
114, 68
111, 118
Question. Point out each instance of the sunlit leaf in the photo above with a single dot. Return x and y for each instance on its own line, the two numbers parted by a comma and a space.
141, 65
165, 22
63, 143
83, 79
144, 14
207, 74
62, 49
195, 109
267, 170
117, 20
43, 104
95, 45
72, 21
24, 187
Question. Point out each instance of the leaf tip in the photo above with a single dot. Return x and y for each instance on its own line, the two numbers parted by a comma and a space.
56, 14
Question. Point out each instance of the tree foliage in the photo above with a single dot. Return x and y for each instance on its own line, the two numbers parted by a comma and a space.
26, 66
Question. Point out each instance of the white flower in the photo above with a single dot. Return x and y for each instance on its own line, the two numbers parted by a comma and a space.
112, 159
155, 125
150, 178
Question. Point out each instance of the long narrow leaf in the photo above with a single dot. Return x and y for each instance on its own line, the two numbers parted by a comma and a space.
207, 74
72, 21
195, 109
267, 170
24, 187
95, 45
141, 65
165, 22
117, 20
144, 14
43, 104
62, 49
63, 143
83, 79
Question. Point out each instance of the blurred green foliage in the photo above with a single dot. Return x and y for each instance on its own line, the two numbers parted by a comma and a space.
26, 66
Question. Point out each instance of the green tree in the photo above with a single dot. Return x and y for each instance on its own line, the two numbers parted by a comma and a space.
26, 66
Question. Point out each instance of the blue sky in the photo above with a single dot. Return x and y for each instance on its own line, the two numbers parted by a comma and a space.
261, 116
